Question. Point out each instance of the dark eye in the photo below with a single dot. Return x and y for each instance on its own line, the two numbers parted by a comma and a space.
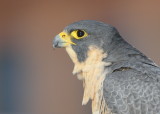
80, 33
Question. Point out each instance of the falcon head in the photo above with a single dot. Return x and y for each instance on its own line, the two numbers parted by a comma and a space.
86, 33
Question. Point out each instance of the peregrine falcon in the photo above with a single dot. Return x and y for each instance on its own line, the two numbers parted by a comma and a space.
117, 78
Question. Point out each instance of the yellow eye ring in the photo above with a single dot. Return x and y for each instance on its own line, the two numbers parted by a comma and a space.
79, 34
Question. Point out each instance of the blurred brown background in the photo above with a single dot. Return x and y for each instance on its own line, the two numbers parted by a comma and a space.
36, 79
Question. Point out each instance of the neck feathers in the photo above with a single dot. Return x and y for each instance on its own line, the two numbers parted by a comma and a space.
92, 71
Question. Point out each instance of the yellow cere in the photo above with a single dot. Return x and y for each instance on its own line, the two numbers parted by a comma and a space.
79, 34
67, 38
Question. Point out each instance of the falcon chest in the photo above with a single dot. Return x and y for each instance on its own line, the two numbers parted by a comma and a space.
92, 72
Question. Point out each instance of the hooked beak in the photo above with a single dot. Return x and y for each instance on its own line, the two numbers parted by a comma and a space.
62, 40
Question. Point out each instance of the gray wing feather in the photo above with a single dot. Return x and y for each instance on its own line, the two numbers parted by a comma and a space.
132, 92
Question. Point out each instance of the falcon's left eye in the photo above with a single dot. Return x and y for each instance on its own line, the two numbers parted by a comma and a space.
78, 34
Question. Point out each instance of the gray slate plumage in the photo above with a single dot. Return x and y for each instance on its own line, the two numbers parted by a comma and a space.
135, 90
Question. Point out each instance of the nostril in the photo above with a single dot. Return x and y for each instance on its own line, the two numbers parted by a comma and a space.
63, 35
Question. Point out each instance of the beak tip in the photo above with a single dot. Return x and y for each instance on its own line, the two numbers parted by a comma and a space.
55, 44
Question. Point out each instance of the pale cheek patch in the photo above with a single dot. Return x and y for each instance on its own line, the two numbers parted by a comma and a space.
92, 72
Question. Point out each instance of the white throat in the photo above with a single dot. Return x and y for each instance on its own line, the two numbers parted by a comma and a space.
92, 72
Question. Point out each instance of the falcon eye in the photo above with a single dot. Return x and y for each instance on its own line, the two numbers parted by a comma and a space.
78, 34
